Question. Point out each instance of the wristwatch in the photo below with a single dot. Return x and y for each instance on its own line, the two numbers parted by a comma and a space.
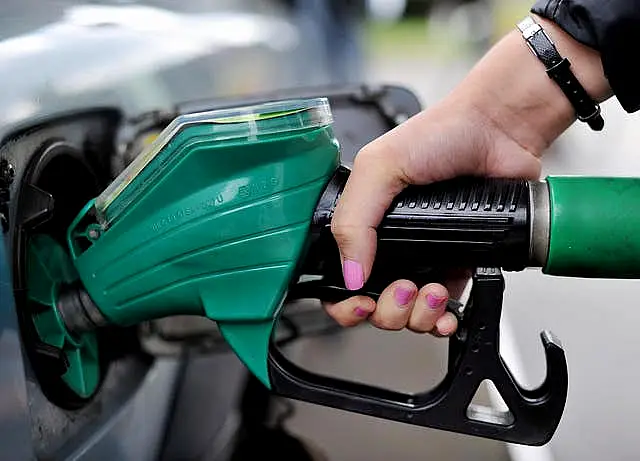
559, 69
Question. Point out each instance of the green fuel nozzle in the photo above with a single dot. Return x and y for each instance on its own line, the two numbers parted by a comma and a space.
227, 215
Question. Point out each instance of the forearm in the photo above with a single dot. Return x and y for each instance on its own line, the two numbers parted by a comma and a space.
510, 87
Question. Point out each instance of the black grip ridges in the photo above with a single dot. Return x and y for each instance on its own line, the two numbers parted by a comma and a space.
463, 195
464, 223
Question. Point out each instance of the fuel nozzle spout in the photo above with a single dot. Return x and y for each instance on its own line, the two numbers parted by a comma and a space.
78, 311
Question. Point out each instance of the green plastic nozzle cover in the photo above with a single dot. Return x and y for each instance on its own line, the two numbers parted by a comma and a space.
211, 220
594, 227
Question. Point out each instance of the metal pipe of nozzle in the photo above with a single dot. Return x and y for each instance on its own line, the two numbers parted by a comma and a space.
78, 311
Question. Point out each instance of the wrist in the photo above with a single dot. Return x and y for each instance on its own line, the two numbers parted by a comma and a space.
512, 90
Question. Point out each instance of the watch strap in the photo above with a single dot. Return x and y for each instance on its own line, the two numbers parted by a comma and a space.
558, 68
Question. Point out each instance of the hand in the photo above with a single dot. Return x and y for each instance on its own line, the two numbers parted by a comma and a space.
495, 123
445, 141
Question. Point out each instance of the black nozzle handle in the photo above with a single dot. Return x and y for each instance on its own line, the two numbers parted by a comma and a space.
482, 225
461, 223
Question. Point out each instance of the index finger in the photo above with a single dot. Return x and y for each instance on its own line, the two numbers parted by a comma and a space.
374, 182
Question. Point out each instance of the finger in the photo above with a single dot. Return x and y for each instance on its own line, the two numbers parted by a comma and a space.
446, 325
372, 185
429, 306
352, 311
394, 306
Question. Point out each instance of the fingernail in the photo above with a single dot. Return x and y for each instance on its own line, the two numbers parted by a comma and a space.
403, 296
444, 326
360, 312
435, 302
353, 275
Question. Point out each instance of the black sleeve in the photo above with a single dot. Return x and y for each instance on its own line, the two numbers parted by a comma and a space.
612, 27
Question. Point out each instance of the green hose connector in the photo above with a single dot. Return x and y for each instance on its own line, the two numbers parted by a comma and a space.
594, 227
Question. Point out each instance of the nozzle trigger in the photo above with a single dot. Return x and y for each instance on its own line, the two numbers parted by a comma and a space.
474, 357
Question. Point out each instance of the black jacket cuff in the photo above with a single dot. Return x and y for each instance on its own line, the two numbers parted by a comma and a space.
613, 29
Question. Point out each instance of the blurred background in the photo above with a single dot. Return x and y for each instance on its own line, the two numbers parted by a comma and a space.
148, 55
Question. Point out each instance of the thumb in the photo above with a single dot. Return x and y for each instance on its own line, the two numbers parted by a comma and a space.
374, 182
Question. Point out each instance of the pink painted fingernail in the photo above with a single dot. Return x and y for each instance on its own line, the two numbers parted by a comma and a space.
435, 302
353, 275
403, 296
360, 312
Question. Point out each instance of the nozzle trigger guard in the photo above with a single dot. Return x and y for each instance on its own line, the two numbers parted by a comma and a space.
533, 416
